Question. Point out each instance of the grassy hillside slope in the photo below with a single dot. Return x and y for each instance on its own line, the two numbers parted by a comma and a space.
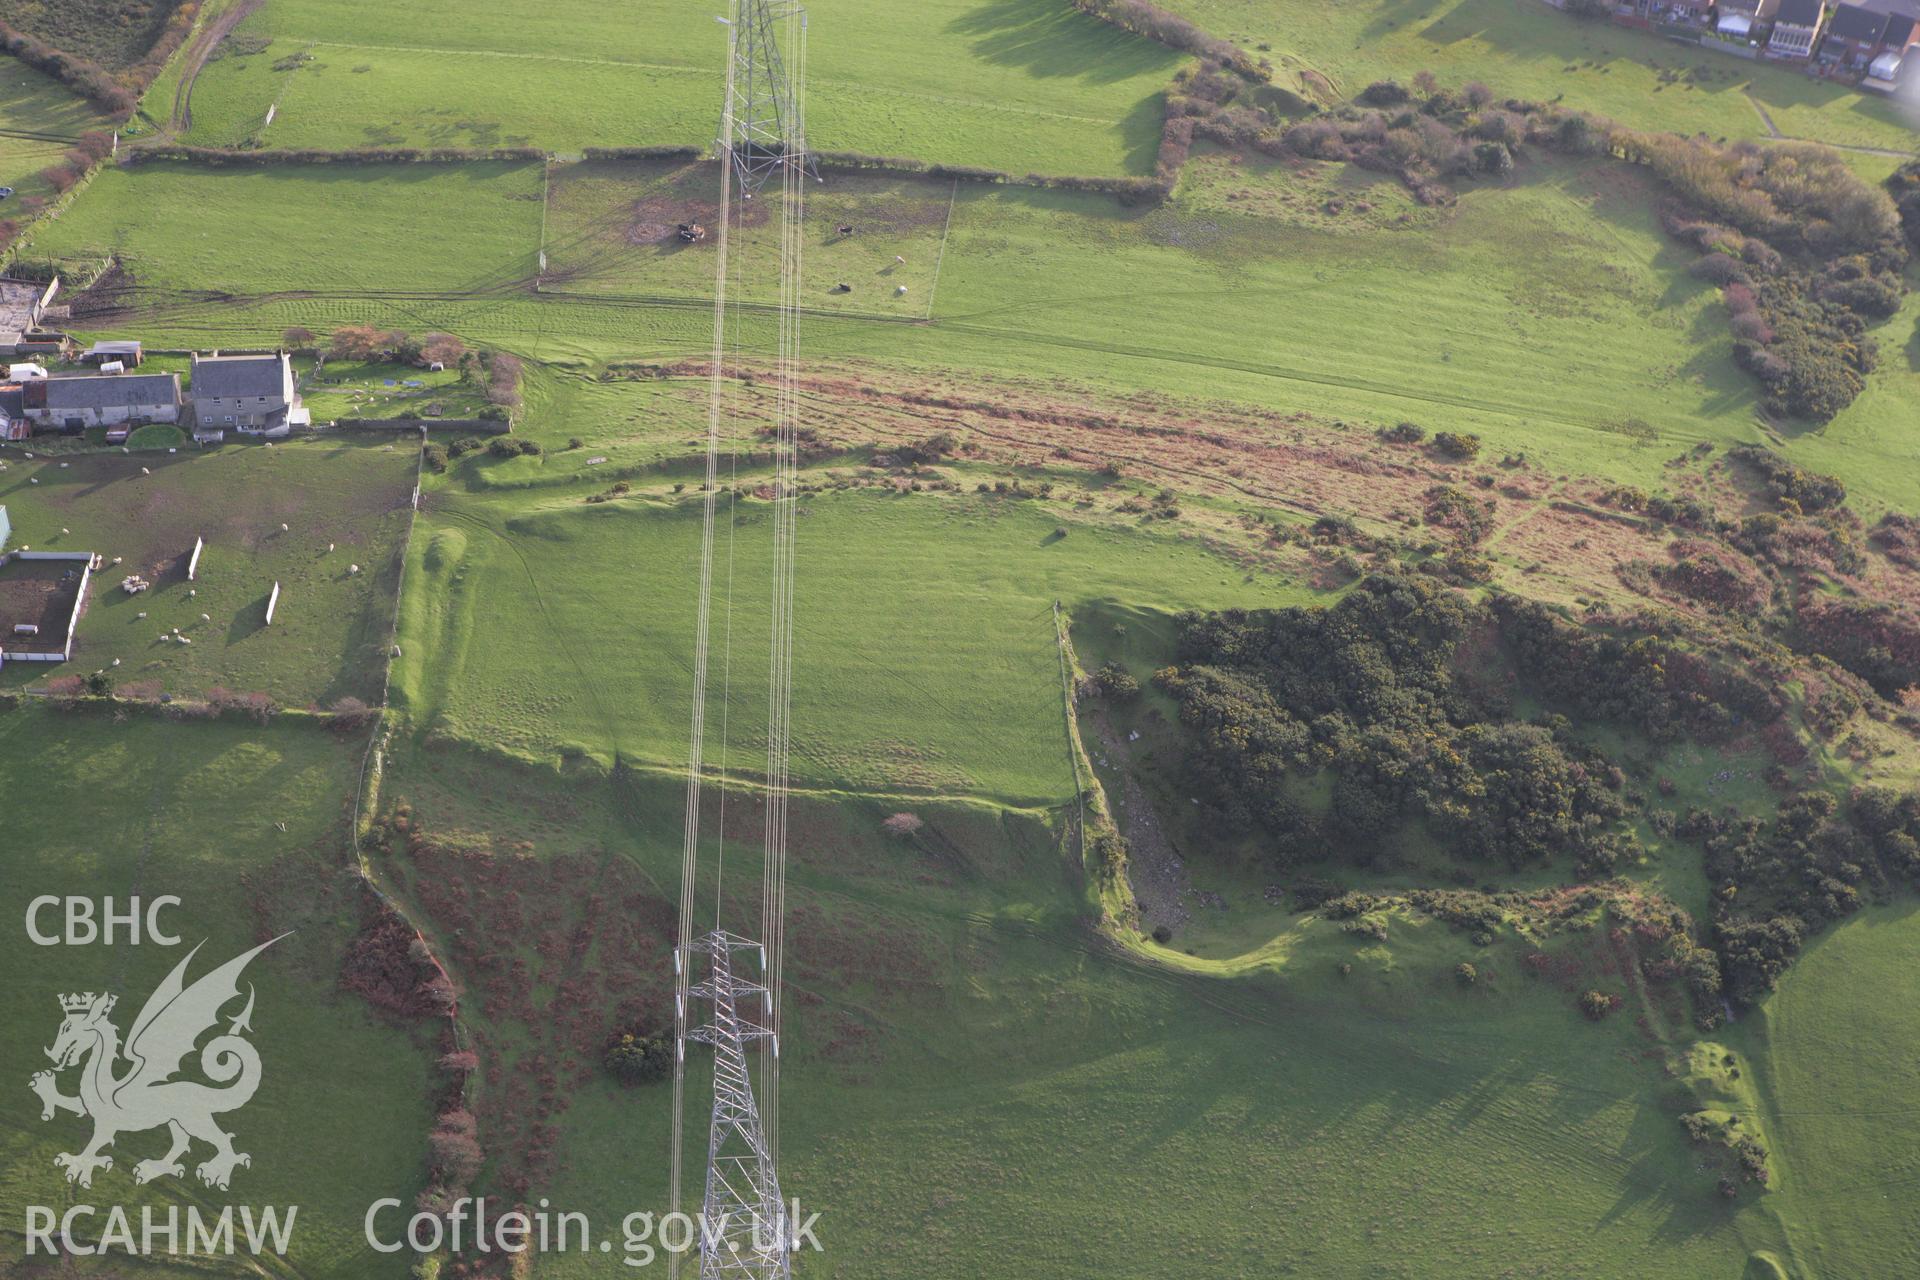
239, 822
1021, 85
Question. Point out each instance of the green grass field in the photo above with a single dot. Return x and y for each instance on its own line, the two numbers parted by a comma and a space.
1022, 85
246, 826
978, 1081
1003, 1088
917, 610
330, 625
1840, 1096
1523, 49
32, 104
367, 230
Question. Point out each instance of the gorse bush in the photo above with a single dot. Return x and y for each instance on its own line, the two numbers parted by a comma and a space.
1363, 697
1814, 252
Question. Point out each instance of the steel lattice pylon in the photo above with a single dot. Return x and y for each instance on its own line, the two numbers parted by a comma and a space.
761, 130
744, 1221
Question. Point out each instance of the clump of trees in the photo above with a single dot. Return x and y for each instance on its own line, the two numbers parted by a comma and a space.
1361, 698
1427, 135
1805, 252
1816, 862
634, 1059
1653, 682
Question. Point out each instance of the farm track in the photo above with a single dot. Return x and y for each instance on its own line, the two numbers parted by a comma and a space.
28, 135
196, 57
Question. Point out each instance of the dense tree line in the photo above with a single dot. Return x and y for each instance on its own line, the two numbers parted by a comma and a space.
1650, 681
1155, 23
1363, 697
1325, 729
1776, 883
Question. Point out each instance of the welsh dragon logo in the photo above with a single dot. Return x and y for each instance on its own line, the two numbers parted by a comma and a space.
146, 1094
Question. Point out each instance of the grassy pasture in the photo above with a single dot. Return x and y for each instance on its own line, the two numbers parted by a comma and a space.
1005, 1079
32, 103
611, 229
1526, 50
926, 623
1021, 85
1840, 1077
330, 627
370, 229
149, 807
1551, 316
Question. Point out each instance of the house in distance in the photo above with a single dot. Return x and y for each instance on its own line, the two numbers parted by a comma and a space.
251, 394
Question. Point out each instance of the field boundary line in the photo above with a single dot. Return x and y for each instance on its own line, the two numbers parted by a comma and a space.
941, 257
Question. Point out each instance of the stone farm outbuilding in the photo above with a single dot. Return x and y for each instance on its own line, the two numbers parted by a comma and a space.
103, 400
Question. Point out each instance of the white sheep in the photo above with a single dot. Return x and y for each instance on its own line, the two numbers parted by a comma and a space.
353, 568
146, 471
65, 532
116, 559
192, 592
283, 526
206, 617
329, 546
142, 615
116, 662
185, 640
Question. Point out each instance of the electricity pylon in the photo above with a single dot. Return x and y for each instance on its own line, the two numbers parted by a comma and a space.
761, 130
744, 1228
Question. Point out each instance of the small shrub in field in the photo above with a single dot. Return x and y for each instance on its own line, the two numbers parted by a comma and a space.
1162, 934
634, 1059
1115, 681
903, 824
1457, 444
1465, 974
1597, 1004
1403, 433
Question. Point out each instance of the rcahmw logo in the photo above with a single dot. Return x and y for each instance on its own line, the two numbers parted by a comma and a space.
147, 1094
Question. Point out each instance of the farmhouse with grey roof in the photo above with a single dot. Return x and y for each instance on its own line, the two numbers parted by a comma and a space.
253, 394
